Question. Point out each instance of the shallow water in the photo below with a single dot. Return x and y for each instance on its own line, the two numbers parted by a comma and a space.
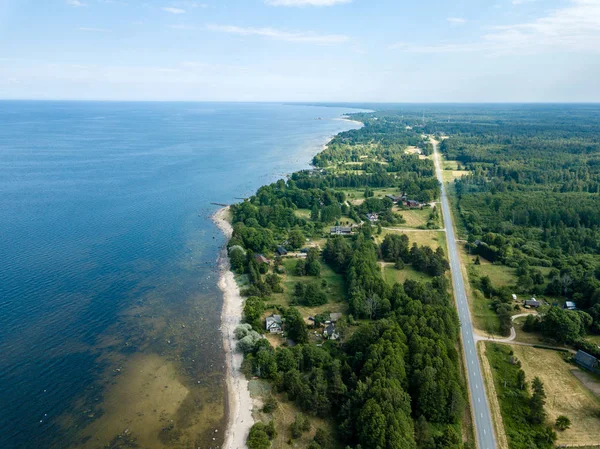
109, 308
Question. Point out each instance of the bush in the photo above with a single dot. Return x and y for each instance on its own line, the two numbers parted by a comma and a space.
270, 405
260, 435
562, 423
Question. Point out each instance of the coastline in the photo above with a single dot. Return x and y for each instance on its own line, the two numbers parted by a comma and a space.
239, 402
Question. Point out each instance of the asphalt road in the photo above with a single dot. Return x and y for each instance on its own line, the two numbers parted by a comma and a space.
484, 429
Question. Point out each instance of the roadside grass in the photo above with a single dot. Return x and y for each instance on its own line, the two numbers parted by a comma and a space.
492, 396
392, 275
459, 223
284, 415
566, 395
484, 317
513, 399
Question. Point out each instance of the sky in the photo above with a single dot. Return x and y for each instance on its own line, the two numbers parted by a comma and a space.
301, 50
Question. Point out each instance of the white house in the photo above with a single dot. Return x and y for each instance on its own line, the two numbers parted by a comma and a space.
273, 324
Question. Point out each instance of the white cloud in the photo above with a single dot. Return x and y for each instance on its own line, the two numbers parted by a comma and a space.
575, 28
305, 2
174, 10
76, 3
457, 20
309, 37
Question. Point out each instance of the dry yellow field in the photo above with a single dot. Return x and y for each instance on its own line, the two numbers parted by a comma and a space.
566, 395
414, 218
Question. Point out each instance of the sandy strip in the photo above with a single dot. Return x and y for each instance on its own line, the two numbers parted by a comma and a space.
240, 403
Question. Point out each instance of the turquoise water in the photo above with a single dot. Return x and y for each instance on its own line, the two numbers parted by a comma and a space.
108, 262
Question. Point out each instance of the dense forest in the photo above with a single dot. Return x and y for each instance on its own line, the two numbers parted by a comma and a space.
532, 198
392, 378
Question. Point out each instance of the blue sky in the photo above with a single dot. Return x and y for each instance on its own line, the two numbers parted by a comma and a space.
301, 50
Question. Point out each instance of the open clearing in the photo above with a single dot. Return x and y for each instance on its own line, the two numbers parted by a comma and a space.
414, 218
335, 289
566, 395
434, 239
392, 275
284, 416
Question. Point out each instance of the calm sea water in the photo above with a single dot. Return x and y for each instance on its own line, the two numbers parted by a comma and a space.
109, 309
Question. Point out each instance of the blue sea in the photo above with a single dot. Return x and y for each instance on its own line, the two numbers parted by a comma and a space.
109, 307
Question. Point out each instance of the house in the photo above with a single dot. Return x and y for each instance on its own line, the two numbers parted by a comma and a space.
260, 258
532, 303
373, 217
330, 332
341, 230
570, 305
413, 204
304, 251
587, 361
281, 251
395, 199
335, 317
273, 324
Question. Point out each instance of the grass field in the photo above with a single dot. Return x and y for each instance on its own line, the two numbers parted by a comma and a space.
566, 395
335, 289
594, 339
434, 239
413, 218
392, 275
500, 275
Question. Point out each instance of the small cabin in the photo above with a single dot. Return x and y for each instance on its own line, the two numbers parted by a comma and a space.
533, 303
261, 259
281, 251
570, 305
587, 361
341, 230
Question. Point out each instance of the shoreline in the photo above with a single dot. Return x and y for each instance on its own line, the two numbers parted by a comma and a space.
240, 404
239, 401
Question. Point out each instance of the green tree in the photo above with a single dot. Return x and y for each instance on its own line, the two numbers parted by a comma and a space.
294, 324
313, 266
296, 239
314, 213
537, 414
260, 436
562, 423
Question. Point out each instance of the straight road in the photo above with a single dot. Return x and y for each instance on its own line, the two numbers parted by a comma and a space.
484, 430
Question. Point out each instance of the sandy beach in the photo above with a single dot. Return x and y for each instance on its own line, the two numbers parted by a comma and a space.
240, 403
